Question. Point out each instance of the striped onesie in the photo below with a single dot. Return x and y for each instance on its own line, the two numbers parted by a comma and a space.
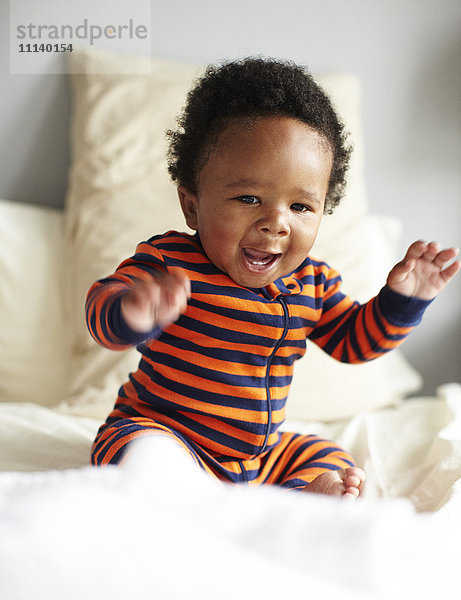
217, 379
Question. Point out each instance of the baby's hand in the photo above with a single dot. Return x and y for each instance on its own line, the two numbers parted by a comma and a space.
421, 273
157, 302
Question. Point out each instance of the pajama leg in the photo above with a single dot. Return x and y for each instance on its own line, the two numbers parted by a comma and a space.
113, 441
299, 459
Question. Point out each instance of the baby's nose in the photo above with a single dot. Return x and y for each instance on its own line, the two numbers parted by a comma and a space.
274, 222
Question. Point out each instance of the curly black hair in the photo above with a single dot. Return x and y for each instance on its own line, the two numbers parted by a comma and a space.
251, 88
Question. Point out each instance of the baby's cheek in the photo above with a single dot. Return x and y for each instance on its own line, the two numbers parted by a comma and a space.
219, 247
222, 237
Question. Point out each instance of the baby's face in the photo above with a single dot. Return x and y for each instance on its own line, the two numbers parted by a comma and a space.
260, 198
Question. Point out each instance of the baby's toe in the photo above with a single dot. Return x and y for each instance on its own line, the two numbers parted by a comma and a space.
355, 472
352, 492
352, 481
360, 473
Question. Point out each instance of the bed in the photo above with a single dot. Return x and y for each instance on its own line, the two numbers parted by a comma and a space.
156, 527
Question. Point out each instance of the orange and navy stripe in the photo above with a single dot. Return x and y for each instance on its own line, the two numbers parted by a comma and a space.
293, 463
220, 375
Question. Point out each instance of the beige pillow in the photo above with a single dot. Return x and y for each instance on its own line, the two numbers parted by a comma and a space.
120, 194
342, 390
33, 340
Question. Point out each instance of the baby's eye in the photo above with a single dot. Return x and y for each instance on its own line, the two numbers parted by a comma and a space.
248, 199
298, 207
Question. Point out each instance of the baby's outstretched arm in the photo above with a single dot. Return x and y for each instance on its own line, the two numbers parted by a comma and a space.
157, 302
422, 273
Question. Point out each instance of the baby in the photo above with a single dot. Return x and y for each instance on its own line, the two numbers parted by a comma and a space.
219, 317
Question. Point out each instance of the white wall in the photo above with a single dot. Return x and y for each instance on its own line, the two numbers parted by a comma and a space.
408, 55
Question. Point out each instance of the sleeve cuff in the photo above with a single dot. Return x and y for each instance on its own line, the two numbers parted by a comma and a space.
123, 331
400, 310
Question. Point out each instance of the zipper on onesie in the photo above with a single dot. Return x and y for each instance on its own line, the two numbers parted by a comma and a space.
282, 301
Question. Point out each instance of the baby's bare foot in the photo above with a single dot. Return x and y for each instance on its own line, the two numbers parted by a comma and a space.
343, 482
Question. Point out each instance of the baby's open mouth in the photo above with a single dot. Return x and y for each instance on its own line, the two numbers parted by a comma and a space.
256, 260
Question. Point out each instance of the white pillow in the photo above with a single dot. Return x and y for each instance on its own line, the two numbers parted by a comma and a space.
120, 194
34, 346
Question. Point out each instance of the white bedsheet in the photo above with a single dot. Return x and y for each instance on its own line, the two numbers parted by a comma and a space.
412, 450
158, 528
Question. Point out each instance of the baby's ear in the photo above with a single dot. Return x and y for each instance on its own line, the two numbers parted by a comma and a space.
189, 204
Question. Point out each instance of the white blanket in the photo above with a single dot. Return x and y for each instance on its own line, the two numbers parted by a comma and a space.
157, 527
